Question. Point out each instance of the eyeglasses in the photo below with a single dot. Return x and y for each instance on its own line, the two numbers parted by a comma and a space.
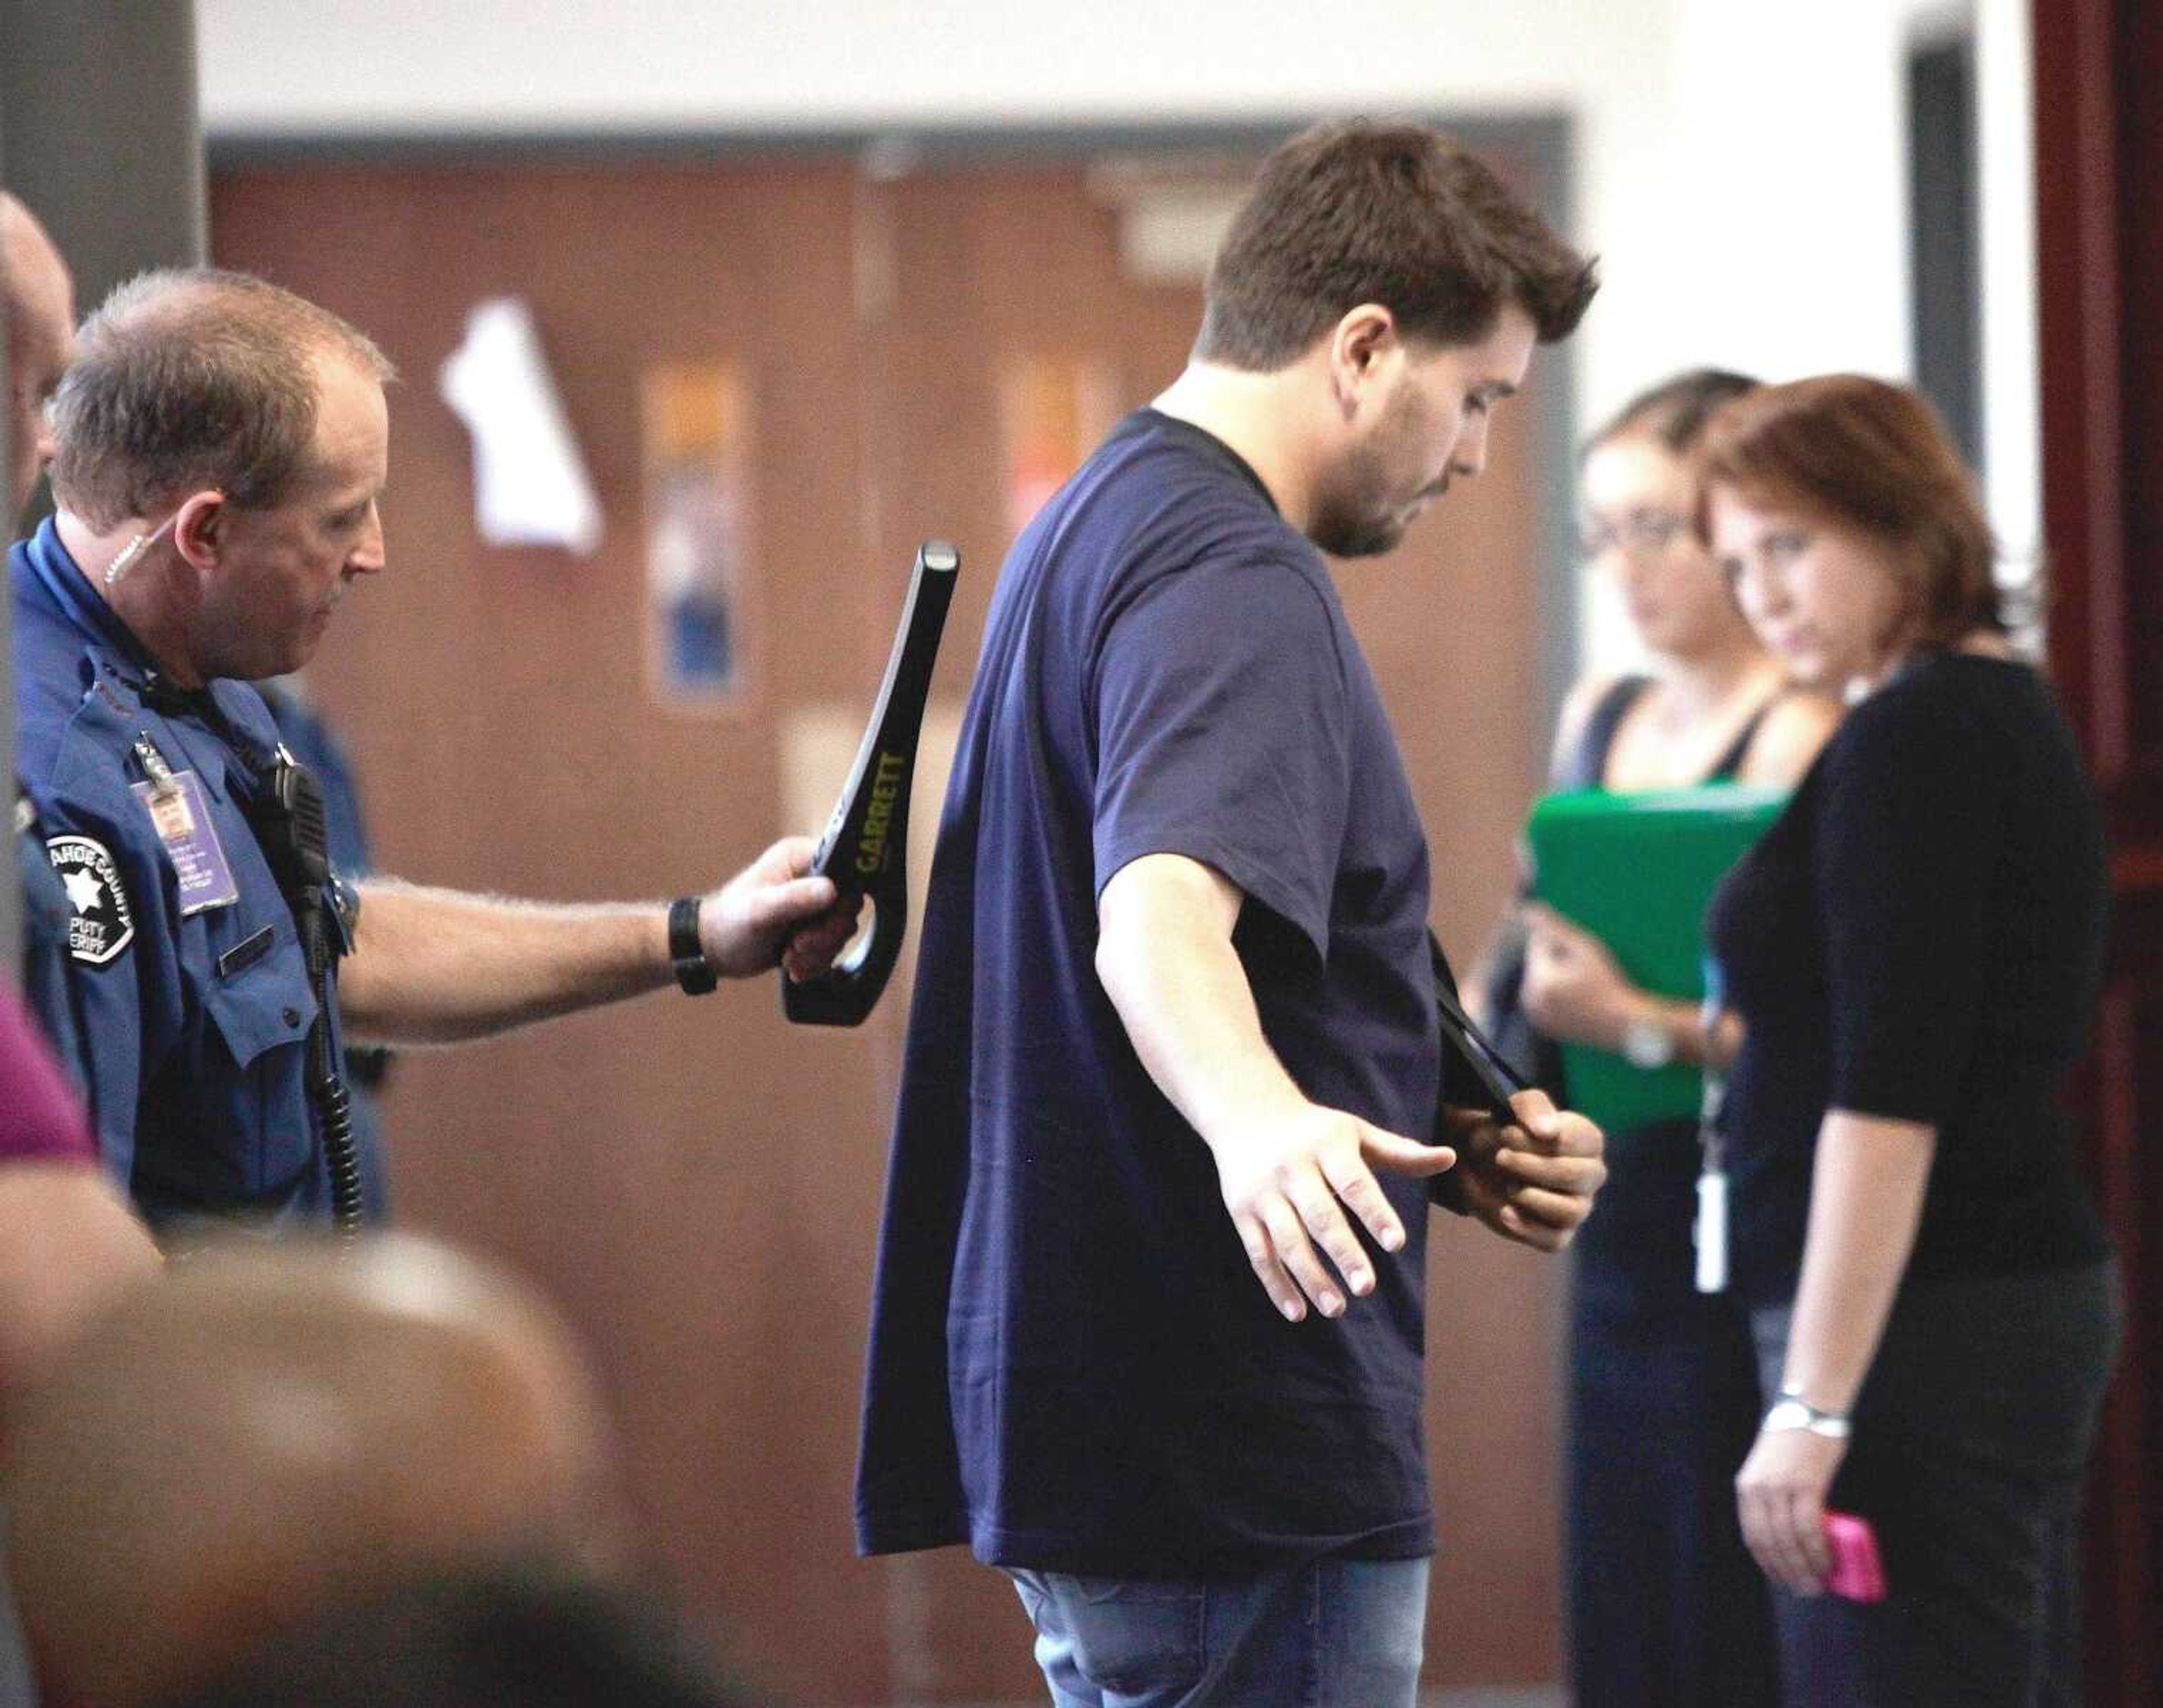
1643, 533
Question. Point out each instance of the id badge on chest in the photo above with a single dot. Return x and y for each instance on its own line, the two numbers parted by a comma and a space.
179, 812
1710, 1231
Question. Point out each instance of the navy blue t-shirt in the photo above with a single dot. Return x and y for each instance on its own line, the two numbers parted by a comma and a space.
1072, 1366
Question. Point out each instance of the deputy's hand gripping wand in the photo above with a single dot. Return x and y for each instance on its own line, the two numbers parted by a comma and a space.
865, 847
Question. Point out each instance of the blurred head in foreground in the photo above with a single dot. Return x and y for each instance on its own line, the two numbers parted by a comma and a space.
267, 1434
477, 1639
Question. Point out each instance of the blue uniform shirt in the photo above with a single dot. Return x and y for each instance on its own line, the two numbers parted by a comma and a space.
1072, 1366
194, 1024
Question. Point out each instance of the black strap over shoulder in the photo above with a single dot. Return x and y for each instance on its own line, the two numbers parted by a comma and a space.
1587, 764
1731, 762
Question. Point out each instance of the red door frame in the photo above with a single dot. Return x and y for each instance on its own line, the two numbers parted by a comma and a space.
2099, 162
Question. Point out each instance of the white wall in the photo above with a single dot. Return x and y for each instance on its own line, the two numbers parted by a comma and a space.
1740, 164
2011, 393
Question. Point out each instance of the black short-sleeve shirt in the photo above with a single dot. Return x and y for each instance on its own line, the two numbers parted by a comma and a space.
1072, 1364
1921, 937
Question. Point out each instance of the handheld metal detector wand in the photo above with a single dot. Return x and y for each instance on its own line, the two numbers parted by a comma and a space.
865, 847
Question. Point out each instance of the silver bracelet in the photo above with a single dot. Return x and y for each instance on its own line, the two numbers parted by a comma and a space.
1791, 1411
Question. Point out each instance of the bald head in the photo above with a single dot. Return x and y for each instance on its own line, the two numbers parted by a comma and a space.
195, 378
37, 297
266, 1434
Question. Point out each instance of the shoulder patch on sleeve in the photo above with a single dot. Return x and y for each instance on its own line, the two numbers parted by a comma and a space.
100, 924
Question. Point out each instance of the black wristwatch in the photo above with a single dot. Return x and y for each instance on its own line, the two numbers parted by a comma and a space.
693, 971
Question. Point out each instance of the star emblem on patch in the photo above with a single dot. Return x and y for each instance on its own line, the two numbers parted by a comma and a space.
100, 924
85, 891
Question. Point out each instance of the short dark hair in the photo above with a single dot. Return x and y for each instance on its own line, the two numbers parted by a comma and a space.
477, 1638
190, 378
1359, 211
1675, 410
1869, 455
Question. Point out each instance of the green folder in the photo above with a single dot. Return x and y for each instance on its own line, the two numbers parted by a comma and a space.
1636, 871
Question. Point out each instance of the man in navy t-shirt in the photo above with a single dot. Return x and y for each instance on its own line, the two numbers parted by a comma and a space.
1174, 966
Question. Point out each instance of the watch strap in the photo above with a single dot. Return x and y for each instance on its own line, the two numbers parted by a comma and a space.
686, 955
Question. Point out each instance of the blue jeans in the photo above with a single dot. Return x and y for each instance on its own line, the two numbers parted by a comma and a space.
1329, 1633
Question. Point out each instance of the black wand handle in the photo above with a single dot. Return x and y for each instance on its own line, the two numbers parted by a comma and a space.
865, 848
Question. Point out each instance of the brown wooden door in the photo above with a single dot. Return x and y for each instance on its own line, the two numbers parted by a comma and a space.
699, 1183
2099, 158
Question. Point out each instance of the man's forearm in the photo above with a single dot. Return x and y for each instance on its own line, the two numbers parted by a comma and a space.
1165, 959
438, 966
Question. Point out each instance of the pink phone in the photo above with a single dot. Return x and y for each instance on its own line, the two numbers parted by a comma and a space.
1857, 1571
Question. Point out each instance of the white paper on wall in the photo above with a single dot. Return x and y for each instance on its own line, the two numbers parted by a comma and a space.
530, 483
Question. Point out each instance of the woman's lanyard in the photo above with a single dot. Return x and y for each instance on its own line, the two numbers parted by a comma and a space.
1711, 1231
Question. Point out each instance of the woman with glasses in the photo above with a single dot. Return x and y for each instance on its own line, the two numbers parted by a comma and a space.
1915, 948
1666, 1610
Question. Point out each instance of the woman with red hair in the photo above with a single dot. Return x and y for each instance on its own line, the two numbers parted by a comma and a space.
1915, 949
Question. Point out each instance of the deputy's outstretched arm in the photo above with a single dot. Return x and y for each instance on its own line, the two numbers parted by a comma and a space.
1289, 1168
438, 966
